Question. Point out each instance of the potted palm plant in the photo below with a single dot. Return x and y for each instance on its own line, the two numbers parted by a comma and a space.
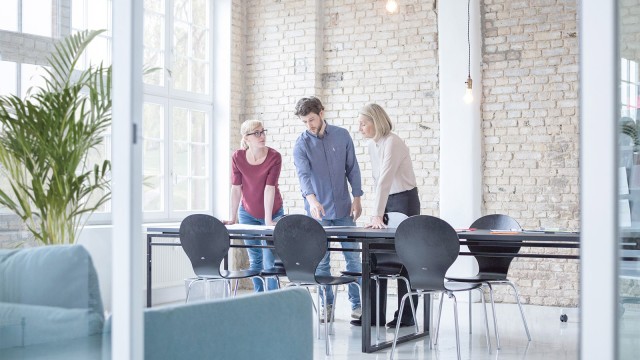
44, 142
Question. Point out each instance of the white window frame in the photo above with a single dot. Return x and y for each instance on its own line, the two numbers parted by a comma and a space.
170, 97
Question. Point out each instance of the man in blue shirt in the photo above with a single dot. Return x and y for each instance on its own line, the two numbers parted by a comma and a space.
325, 161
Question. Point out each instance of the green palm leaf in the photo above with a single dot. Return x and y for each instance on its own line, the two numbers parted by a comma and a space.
44, 143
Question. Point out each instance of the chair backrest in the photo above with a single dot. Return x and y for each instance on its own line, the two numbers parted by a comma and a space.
205, 240
301, 243
427, 246
393, 219
491, 264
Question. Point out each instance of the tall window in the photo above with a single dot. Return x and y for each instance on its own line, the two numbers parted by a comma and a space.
629, 88
177, 109
27, 16
176, 126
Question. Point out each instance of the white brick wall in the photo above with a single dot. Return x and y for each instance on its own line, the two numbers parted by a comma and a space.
530, 127
352, 52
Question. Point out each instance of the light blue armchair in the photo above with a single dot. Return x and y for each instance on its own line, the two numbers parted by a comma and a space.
48, 294
50, 307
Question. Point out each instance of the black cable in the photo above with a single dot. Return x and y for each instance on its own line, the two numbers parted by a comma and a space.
468, 39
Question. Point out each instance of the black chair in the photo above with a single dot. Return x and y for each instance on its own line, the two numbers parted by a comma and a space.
206, 242
301, 243
428, 246
492, 270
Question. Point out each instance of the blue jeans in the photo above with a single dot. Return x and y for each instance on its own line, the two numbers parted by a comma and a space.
352, 259
259, 258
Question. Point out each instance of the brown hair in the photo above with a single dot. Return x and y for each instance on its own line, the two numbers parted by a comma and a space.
308, 105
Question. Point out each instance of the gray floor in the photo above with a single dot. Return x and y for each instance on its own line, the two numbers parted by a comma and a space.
551, 339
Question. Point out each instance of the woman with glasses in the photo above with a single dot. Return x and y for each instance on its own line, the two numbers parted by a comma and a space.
255, 197
395, 191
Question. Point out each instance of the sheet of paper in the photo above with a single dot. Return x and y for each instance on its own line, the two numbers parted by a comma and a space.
623, 184
624, 213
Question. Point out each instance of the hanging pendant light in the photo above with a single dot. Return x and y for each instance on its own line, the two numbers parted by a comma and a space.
392, 6
468, 93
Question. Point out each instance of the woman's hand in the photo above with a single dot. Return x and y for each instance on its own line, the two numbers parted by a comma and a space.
230, 222
376, 223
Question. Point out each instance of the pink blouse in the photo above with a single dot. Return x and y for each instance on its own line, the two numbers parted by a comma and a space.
254, 179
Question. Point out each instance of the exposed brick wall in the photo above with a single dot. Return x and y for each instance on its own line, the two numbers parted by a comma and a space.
348, 54
530, 131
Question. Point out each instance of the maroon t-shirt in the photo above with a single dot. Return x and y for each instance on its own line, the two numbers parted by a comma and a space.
254, 178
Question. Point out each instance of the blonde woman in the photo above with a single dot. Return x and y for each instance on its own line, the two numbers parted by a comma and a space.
255, 197
395, 191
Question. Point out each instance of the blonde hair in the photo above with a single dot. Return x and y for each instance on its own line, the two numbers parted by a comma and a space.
247, 127
381, 121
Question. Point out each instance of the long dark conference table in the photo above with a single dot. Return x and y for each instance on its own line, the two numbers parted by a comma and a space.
367, 237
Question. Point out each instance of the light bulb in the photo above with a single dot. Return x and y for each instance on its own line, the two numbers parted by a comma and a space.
392, 6
468, 94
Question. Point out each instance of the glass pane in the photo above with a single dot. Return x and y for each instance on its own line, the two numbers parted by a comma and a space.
200, 13
152, 157
154, 5
36, 17
181, 39
198, 127
180, 159
180, 195
629, 186
199, 194
32, 77
182, 10
200, 77
98, 14
180, 124
153, 121
152, 187
180, 73
154, 60
9, 15
9, 76
198, 160
154, 31
200, 42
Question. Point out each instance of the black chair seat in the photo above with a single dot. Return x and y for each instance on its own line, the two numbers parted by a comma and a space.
273, 272
333, 280
480, 277
238, 274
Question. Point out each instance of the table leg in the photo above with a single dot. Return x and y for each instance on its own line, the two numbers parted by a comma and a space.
367, 347
365, 298
148, 270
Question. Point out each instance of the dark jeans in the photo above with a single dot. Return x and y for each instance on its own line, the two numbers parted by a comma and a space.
408, 203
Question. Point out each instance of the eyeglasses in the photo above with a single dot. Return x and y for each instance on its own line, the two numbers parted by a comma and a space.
258, 133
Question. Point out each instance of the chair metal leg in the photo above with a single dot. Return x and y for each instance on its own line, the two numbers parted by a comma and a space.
470, 322
395, 338
235, 288
524, 321
486, 321
189, 289
319, 309
413, 307
455, 314
495, 320
326, 323
435, 343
